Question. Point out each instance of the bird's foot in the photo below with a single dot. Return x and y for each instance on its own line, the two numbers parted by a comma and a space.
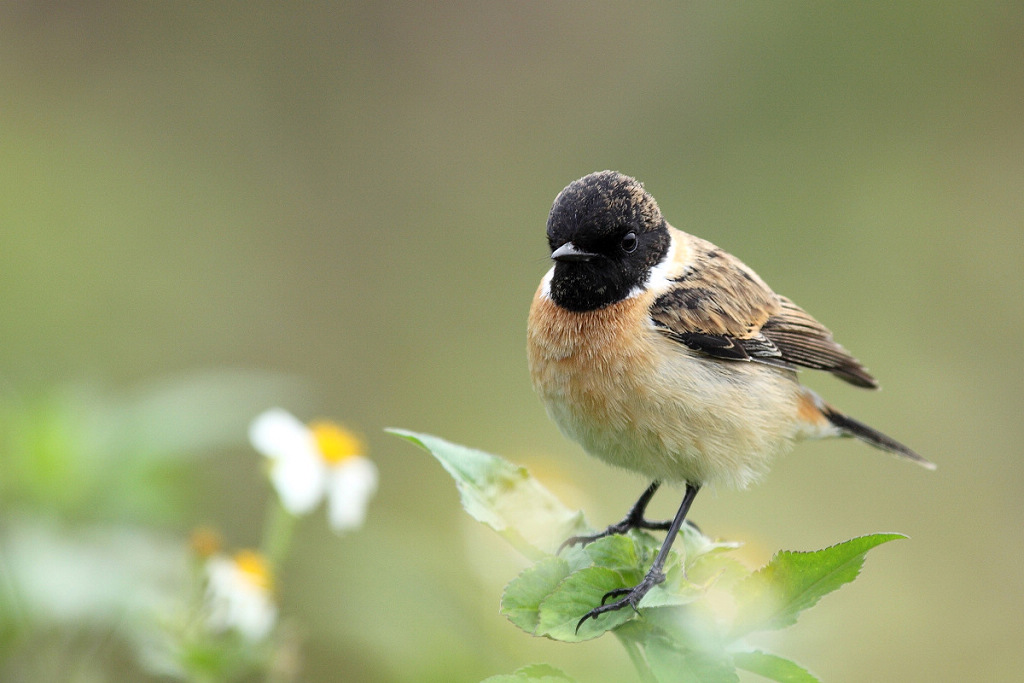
616, 529
620, 528
630, 596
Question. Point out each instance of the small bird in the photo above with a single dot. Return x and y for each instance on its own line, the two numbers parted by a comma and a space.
661, 353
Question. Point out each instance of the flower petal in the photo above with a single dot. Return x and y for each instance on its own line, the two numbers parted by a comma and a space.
350, 488
297, 472
236, 602
276, 433
300, 478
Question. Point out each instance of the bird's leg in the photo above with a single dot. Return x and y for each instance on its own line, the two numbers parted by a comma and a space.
634, 520
633, 596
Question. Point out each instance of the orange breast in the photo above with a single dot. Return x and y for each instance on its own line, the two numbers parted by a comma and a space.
582, 354
635, 399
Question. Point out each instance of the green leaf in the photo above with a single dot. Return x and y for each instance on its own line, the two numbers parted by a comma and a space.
675, 591
522, 597
575, 596
563, 590
534, 673
773, 667
774, 596
631, 556
614, 552
504, 496
671, 663
684, 634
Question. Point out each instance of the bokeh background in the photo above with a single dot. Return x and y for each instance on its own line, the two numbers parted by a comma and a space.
339, 208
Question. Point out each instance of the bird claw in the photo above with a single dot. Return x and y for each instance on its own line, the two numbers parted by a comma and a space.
583, 540
617, 529
614, 594
633, 596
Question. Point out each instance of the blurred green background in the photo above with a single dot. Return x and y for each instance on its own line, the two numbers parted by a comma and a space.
339, 208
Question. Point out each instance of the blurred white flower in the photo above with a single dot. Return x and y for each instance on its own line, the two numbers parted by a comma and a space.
314, 461
239, 594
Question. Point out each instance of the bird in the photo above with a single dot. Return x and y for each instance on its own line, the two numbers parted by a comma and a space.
661, 353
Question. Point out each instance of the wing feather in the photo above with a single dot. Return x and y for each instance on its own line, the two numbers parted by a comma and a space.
802, 340
720, 307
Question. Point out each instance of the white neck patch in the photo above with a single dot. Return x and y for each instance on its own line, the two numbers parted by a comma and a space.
658, 279
545, 284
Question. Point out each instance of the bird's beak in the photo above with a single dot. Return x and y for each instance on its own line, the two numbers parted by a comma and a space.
569, 253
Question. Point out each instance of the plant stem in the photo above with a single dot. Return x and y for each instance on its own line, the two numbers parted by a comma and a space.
277, 534
637, 657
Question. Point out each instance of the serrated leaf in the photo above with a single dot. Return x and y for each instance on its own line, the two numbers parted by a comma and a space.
577, 558
521, 600
504, 496
613, 552
773, 667
774, 596
534, 673
579, 593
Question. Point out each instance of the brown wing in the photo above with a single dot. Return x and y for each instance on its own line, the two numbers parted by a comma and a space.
720, 307
802, 340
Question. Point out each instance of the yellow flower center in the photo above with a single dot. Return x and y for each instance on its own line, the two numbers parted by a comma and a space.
335, 443
254, 568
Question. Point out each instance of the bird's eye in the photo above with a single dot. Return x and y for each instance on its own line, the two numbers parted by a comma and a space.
629, 242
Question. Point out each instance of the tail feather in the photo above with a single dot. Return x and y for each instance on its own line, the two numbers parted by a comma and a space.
850, 427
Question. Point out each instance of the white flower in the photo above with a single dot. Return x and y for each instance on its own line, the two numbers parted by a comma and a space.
310, 462
239, 594
297, 470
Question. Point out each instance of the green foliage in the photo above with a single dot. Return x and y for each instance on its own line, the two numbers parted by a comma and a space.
87, 573
774, 596
536, 673
772, 667
85, 453
693, 627
504, 497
